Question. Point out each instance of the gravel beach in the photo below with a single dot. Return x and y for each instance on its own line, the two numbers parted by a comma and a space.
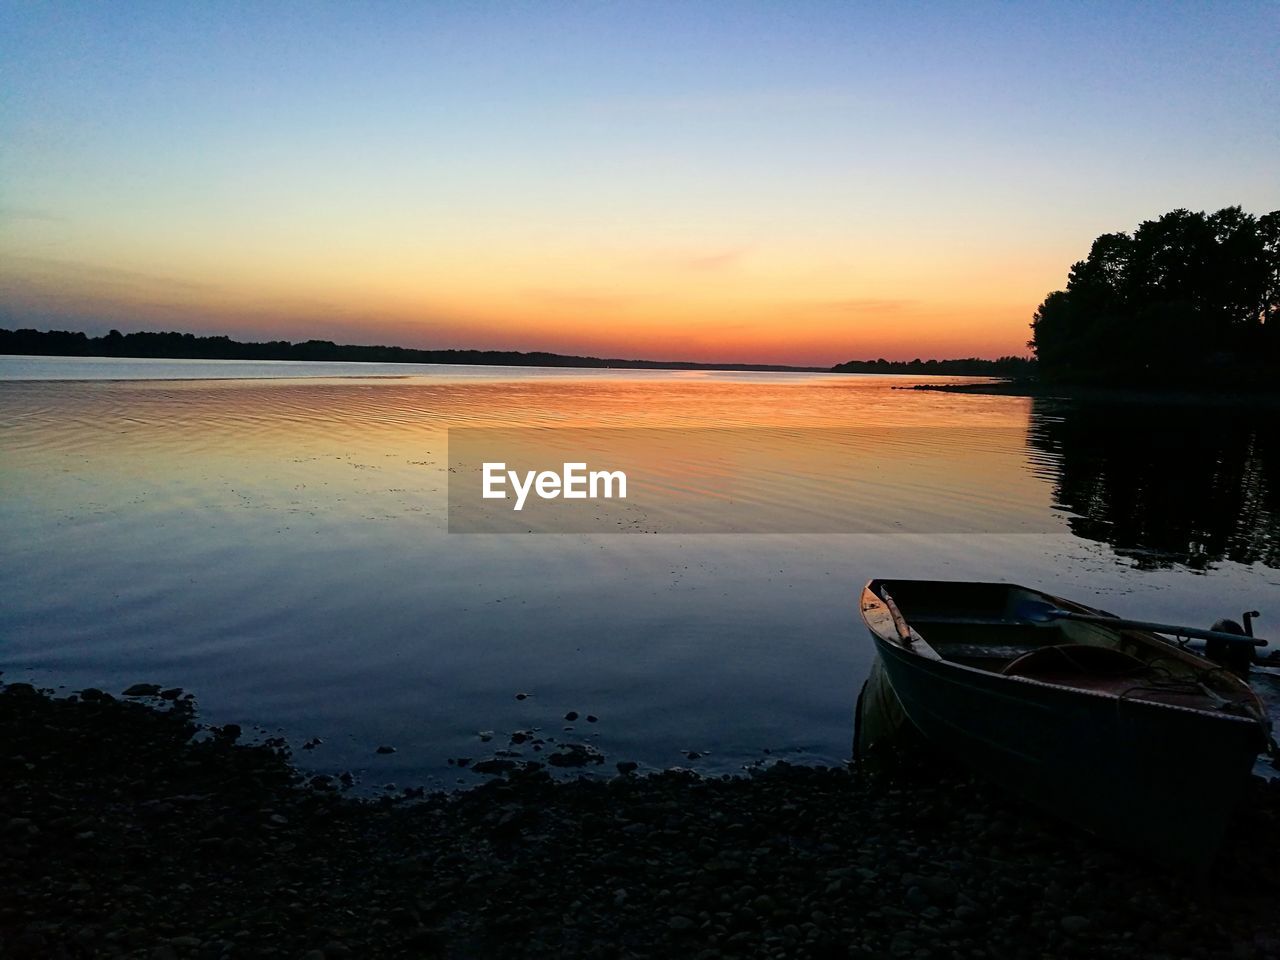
122, 836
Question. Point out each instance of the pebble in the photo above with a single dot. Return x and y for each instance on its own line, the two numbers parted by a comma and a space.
1074, 924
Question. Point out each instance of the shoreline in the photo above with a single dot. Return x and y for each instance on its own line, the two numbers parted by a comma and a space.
1100, 393
123, 836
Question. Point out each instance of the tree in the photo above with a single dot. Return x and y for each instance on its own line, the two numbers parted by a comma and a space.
1181, 292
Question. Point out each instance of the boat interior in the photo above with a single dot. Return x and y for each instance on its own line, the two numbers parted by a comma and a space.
981, 625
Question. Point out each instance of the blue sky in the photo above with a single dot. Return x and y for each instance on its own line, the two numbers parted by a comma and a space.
806, 181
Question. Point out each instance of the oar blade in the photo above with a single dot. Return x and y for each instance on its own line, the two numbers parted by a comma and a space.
1037, 611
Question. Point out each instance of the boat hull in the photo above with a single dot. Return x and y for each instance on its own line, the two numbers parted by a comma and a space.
1159, 779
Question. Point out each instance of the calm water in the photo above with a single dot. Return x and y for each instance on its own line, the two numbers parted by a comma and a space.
279, 547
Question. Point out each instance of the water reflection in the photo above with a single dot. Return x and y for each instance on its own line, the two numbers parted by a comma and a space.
280, 549
1166, 485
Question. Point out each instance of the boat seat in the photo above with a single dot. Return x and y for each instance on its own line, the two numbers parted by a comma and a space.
948, 619
986, 651
1067, 662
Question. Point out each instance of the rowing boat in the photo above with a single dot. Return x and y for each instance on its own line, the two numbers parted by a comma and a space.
1116, 728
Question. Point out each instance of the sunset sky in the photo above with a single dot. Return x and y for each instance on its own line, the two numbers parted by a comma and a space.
797, 182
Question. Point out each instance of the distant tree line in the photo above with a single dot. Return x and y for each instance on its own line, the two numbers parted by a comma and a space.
185, 346
969, 367
1189, 297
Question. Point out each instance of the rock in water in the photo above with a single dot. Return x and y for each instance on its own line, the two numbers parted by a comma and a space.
575, 755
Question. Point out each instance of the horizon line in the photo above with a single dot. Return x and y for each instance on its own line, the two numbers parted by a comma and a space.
700, 364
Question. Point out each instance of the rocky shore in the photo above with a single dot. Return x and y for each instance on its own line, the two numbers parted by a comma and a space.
127, 830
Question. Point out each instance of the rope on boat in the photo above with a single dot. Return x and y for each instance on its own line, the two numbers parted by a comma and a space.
1236, 708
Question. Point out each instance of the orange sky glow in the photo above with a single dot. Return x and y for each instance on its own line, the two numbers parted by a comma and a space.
801, 183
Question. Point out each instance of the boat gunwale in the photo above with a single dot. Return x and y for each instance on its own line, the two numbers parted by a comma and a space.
1259, 721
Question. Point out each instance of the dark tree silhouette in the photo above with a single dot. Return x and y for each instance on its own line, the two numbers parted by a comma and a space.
1189, 295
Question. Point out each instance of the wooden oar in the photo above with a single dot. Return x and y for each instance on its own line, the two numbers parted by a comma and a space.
1038, 611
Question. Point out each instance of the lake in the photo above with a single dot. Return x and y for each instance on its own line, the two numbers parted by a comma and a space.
275, 538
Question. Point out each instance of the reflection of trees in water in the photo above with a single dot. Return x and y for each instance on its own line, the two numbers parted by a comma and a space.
1167, 484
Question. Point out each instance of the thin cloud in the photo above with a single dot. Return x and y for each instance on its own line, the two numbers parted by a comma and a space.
11, 212
84, 275
713, 103
872, 305
702, 262
581, 298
